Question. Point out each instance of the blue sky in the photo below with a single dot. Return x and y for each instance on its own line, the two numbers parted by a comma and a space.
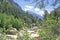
28, 5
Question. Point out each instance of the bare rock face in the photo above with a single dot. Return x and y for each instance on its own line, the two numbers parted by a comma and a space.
13, 31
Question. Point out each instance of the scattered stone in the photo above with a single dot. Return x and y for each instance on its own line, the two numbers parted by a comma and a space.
29, 31
34, 35
38, 38
9, 37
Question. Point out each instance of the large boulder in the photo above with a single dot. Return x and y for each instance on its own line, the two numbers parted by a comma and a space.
13, 31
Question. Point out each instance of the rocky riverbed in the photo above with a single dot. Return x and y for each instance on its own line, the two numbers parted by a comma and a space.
14, 34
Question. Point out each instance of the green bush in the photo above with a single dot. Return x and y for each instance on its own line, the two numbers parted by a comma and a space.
9, 22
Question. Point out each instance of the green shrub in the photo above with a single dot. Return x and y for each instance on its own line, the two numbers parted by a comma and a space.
8, 22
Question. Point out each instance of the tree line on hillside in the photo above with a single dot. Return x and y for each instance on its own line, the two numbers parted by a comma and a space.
11, 9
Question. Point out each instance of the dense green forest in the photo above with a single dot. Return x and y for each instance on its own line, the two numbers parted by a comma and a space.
13, 17
8, 8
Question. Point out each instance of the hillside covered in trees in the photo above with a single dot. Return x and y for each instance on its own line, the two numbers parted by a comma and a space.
9, 8
12, 16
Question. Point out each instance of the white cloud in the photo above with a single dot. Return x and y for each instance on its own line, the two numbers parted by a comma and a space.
38, 11
41, 13
28, 8
35, 10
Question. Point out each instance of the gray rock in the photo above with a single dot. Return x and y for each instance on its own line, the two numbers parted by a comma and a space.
13, 31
